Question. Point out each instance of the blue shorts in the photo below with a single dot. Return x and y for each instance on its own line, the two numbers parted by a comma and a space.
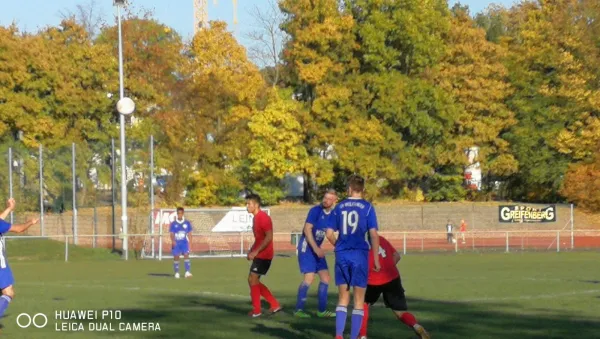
6, 277
311, 263
352, 268
181, 249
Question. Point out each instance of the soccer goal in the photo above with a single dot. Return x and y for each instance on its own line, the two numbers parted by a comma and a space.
217, 232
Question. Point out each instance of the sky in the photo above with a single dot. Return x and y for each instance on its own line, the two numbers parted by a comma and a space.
30, 15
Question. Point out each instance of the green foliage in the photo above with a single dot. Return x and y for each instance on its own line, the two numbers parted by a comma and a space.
392, 90
271, 191
212, 188
445, 188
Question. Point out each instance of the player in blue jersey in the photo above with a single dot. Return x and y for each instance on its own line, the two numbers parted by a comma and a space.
181, 237
311, 257
355, 220
6, 278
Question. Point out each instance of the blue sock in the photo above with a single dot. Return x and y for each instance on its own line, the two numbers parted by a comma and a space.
322, 294
4, 301
341, 312
302, 293
188, 265
356, 323
176, 266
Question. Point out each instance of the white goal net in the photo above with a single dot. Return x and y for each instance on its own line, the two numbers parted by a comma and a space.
216, 232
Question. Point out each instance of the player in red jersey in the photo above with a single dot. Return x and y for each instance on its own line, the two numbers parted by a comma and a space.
261, 255
387, 281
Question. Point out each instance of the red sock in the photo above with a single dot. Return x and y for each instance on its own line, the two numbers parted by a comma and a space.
363, 328
255, 296
408, 319
264, 291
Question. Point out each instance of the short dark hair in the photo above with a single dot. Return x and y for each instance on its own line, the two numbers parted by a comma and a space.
356, 183
179, 209
330, 191
254, 197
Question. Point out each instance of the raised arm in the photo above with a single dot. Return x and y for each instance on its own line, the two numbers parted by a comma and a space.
10, 206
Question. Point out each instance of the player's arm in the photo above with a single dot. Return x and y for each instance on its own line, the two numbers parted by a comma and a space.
332, 228
265, 242
190, 235
308, 227
172, 235
396, 257
391, 249
10, 206
267, 227
330, 235
375, 248
372, 226
20, 228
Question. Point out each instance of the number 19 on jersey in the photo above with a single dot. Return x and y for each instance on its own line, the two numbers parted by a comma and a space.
350, 220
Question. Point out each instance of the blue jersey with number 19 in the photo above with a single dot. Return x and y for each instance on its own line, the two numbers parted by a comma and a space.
353, 218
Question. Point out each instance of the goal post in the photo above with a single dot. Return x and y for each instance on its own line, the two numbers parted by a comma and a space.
216, 232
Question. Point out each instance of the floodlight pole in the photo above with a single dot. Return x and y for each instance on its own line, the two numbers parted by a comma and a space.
122, 130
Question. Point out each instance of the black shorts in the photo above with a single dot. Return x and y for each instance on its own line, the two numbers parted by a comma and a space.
393, 295
260, 266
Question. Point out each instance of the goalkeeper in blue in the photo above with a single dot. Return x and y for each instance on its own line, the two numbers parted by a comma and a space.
6, 277
181, 238
311, 257
354, 219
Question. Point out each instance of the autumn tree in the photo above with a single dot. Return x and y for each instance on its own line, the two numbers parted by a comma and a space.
152, 58
366, 85
59, 98
553, 69
582, 184
472, 71
221, 94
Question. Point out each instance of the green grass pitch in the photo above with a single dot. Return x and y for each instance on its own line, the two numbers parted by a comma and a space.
517, 295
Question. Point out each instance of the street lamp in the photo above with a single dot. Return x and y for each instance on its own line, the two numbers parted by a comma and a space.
125, 106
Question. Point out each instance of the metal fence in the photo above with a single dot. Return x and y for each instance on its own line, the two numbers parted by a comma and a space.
206, 245
73, 188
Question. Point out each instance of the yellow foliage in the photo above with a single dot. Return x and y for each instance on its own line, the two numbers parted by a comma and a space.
277, 145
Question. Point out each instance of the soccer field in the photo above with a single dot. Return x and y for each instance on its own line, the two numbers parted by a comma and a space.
517, 295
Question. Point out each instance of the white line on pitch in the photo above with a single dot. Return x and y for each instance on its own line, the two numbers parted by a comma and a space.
83, 285
529, 297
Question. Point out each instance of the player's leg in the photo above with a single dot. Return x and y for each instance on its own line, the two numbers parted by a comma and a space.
8, 293
308, 267
186, 262
253, 282
257, 289
358, 312
324, 278
176, 254
360, 271
342, 275
394, 298
303, 294
264, 290
371, 296
365, 323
